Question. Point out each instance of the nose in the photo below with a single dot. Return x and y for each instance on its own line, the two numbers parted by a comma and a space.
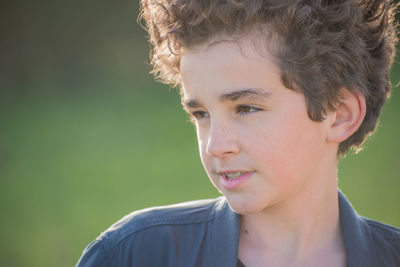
222, 141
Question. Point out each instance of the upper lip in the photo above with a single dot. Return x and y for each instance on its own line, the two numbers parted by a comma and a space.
230, 171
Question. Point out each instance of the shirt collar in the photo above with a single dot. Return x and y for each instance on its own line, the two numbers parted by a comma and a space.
358, 252
225, 235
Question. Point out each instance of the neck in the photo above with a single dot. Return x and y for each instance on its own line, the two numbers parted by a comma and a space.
300, 227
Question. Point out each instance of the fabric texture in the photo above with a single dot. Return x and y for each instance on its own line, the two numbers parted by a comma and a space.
206, 233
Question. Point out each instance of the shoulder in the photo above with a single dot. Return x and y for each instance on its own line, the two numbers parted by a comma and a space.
382, 231
192, 212
384, 239
146, 227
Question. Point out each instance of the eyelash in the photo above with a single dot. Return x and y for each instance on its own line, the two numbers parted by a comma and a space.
198, 115
255, 109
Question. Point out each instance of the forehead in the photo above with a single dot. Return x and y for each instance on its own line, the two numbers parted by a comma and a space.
226, 66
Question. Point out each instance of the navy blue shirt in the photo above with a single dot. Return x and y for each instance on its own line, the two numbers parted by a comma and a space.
206, 233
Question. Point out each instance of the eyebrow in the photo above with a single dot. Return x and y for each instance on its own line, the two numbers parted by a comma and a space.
232, 96
244, 93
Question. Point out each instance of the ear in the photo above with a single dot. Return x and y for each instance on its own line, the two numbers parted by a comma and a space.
348, 116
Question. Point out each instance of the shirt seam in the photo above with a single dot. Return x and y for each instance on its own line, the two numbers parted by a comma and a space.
386, 231
143, 227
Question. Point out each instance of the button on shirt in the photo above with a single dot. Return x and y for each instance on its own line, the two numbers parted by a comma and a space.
206, 233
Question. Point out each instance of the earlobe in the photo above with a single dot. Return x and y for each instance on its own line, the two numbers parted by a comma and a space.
348, 116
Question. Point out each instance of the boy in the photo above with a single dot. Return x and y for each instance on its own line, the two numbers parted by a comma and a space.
278, 90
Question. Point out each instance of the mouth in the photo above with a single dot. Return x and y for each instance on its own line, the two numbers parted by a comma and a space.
233, 179
232, 175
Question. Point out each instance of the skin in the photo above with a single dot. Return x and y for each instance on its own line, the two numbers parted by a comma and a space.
247, 121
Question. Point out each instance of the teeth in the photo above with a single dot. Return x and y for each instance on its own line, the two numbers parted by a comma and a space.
233, 175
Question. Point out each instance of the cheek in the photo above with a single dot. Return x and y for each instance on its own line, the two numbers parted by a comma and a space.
286, 146
206, 160
202, 143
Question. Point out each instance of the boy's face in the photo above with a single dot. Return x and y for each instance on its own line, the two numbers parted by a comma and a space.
256, 142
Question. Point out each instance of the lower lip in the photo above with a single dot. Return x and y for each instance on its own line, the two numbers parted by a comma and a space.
235, 183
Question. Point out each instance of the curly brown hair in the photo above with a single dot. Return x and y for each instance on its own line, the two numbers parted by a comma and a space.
324, 45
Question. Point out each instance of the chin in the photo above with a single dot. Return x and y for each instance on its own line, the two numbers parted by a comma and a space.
245, 206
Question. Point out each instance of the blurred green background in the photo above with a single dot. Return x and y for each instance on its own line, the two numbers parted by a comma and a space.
87, 136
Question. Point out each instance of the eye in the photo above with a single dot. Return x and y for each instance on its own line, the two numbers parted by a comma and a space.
244, 109
198, 115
